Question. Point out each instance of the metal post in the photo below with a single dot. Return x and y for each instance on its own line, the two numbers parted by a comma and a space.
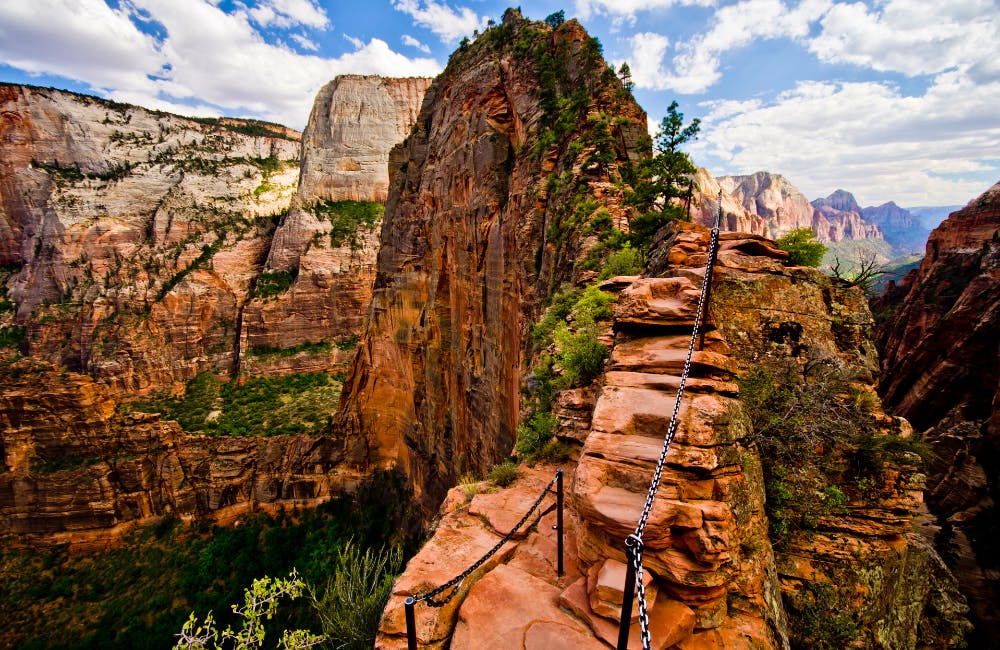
411, 624
628, 596
708, 269
559, 520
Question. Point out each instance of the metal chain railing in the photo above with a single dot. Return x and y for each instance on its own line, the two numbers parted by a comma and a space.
455, 584
633, 543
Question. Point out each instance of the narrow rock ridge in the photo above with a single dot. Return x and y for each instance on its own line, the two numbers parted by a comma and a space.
714, 579
479, 229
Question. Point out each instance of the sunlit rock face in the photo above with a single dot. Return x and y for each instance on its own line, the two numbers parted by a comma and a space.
772, 199
131, 238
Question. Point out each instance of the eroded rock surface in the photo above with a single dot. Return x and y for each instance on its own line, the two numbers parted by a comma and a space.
938, 331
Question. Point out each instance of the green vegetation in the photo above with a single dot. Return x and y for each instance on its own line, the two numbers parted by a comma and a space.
802, 247
822, 619
138, 595
260, 606
816, 430
273, 283
350, 606
625, 261
347, 218
293, 404
245, 126
12, 336
661, 183
504, 474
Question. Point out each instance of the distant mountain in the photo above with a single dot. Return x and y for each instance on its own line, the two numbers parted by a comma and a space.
905, 232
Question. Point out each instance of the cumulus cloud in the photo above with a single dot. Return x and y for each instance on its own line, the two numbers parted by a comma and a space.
629, 8
304, 42
449, 24
412, 42
868, 137
913, 37
288, 13
695, 67
208, 61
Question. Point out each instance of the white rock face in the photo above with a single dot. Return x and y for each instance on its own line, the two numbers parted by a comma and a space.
354, 123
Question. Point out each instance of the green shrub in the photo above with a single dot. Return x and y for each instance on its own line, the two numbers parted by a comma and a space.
536, 432
504, 474
821, 618
273, 283
802, 247
351, 605
626, 261
592, 305
260, 605
580, 355
347, 218
12, 336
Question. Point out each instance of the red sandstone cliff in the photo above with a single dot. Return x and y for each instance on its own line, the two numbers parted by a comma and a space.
480, 227
938, 332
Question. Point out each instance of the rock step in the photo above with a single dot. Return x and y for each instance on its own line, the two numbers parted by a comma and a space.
645, 355
670, 622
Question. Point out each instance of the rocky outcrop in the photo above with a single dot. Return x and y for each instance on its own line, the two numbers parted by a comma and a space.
77, 472
148, 247
484, 220
714, 579
354, 123
938, 331
735, 217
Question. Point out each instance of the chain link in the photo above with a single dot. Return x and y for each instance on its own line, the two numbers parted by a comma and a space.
457, 581
654, 485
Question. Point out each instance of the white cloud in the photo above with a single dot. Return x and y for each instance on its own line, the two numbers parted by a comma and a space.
304, 42
696, 65
412, 42
869, 138
628, 8
209, 61
449, 24
288, 13
911, 36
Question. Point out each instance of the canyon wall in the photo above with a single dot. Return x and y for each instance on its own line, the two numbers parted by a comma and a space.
328, 242
938, 331
76, 471
482, 224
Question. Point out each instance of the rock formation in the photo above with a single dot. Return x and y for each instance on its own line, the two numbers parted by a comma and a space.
130, 237
938, 332
903, 231
782, 207
78, 472
328, 252
143, 248
715, 580
483, 222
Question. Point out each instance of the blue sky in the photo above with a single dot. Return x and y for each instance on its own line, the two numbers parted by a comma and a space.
890, 99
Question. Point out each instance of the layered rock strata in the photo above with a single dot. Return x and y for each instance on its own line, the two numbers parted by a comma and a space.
77, 472
938, 332
480, 226
321, 243
131, 238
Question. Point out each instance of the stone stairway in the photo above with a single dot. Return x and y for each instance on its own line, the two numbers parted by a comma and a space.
709, 566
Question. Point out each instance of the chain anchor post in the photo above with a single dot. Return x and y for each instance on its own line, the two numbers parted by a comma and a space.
628, 594
411, 623
559, 522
